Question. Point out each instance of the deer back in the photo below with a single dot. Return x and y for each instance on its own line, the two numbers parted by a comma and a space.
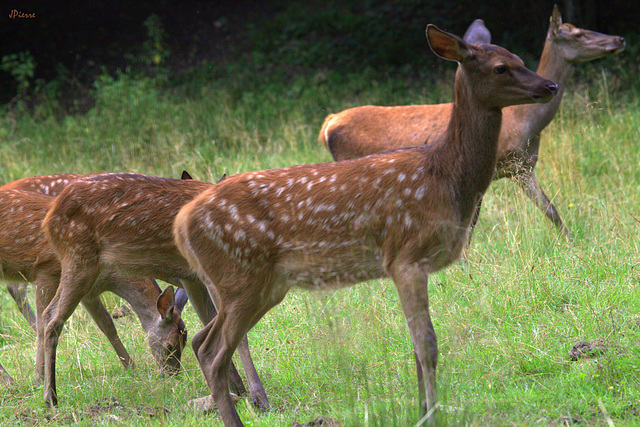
361, 131
23, 246
344, 222
50, 185
121, 219
344, 217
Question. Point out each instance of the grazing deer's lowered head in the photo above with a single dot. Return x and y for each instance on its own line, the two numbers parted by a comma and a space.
167, 334
26, 255
122, 222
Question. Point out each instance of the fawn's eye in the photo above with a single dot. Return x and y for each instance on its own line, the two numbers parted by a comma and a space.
500, 69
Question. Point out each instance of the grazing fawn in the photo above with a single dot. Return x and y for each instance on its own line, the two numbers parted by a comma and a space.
402, 214
51, 185
25, 254
123, 223
360, 131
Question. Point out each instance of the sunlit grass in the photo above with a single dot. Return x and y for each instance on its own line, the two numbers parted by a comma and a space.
506, 318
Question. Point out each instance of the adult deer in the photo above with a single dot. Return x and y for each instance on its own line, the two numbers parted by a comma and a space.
123, 223
50, 185
402, 214
360, 131
25, 254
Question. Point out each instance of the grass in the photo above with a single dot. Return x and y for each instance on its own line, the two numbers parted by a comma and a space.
506, 318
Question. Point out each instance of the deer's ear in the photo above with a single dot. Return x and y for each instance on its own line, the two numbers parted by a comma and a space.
165, 303
181, 299
556, 19
447, 46
185, 175
477, 34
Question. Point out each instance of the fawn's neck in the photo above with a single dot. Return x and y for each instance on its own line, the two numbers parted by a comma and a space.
470, 145
142, 297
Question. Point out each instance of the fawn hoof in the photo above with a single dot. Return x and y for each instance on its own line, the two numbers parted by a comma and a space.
50, 399
260, 401
121, 312
5, 379
207, 404
128, 364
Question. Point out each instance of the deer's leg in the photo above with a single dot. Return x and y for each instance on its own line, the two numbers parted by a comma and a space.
4, 376
75, 283
476, 216
101, 316
472, 226
529, 183
258, 394
412, 286
45, 291
206, 311
238, 313
18, 292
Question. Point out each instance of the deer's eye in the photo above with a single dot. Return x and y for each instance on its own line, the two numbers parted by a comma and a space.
500, 69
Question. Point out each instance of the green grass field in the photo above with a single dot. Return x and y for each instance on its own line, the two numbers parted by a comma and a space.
506, 318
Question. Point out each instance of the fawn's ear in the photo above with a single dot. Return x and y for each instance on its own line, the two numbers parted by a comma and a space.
185, 175
447, 46
222, 178
477, 34
165, 303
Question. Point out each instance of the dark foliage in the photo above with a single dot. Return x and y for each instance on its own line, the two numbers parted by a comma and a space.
72, 42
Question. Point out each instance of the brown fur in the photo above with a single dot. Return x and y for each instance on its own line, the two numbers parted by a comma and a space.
360, 131
25, 255
50, 185
402, 214
123, 222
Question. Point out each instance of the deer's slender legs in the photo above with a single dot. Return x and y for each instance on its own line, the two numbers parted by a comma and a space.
216, 343
103, 319
529, 183
412, 286
76, 278
202, 302
18, 292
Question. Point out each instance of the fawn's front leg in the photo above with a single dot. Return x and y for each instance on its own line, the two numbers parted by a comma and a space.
411, 282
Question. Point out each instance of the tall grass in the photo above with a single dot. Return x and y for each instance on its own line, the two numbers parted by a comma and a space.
506, 317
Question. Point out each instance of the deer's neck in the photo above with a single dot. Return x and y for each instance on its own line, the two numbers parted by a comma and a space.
142, 298
471, 144
535, 117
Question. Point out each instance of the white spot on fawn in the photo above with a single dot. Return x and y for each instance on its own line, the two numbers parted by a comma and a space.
407, 220
239, 235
